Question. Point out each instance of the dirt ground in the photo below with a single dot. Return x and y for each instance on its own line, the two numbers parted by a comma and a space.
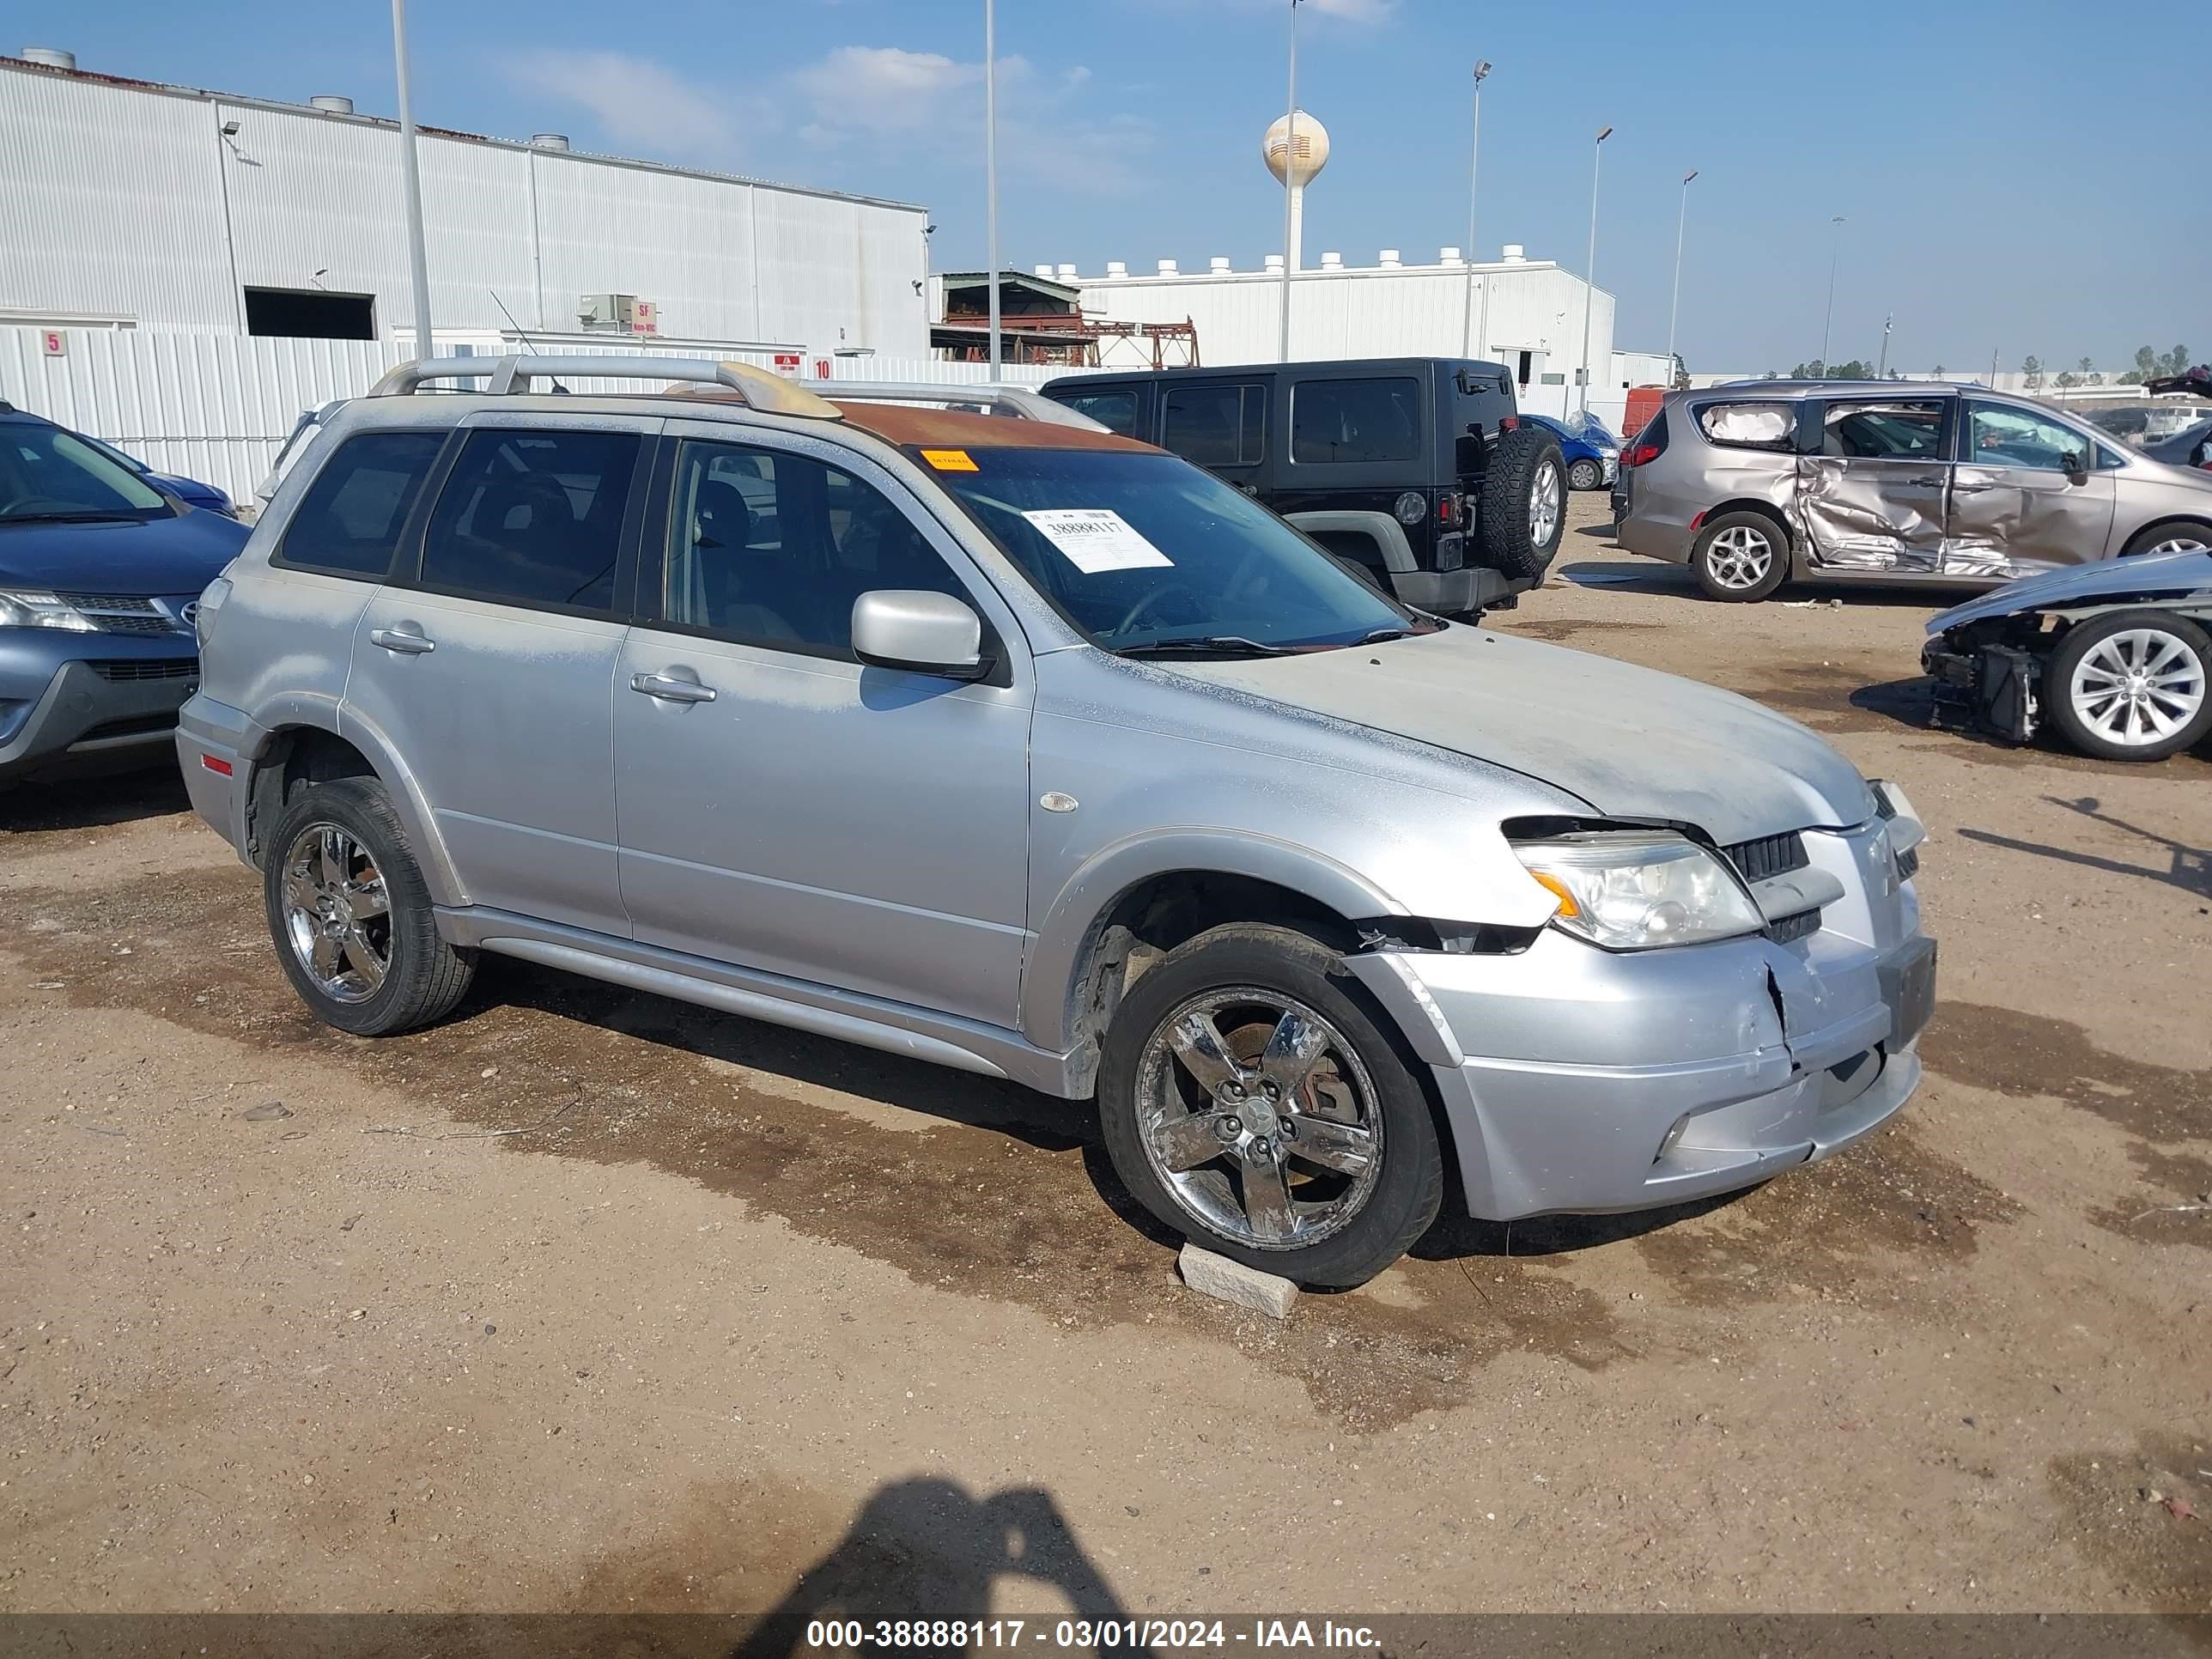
589, 1300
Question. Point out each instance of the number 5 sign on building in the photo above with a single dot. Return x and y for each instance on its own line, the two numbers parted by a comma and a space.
54, 341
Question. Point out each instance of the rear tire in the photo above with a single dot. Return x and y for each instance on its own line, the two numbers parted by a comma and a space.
1740, 558
2182, 538
351, 915
1291, 1132
1585, 475
1524, 513
2087, 677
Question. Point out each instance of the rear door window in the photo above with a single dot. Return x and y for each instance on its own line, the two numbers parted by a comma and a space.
1215, 425
349, 521
1115, 410
533, 518
1349, 421
1886, 431
1766, 425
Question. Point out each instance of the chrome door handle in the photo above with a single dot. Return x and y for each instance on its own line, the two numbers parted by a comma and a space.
407, 642
669, 689
1972, 490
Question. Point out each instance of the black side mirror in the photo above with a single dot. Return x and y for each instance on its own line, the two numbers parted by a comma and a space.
2077, 469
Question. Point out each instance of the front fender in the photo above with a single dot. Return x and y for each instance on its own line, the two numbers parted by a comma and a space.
1073, 921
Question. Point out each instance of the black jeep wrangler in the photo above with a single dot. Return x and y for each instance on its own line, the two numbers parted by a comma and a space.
1416, 469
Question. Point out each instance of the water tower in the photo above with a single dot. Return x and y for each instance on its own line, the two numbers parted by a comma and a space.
1295, 167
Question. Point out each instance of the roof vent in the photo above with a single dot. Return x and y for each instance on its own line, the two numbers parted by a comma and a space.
1219, 263
1275, 263
1448, 256
1516, 253
553, 140
51, 57
1390, 259
1332, 260
1117, 267
1167, 267
331, 103
1067, 273
1042, 271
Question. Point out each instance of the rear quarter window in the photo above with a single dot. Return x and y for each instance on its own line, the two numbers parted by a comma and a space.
1354, 421
349, 522
1115, 410
1749, 425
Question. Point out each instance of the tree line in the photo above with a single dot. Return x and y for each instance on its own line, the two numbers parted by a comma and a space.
2149, 366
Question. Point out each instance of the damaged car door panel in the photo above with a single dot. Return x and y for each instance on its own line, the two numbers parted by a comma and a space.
1007, 743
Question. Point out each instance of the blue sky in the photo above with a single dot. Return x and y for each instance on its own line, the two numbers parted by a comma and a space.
2016, 177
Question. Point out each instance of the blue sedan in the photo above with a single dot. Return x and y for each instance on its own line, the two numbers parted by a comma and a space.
191, 491
1592, 452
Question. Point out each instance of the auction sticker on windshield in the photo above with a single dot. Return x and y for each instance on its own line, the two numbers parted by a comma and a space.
1096, 538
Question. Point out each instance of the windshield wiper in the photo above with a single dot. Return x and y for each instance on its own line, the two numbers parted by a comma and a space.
68, 518
1209, 645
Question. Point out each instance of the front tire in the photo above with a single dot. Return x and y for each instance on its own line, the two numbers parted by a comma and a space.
2158, 538
1585, 475
351, 915
1740, 558
1252, 1102
2134, 685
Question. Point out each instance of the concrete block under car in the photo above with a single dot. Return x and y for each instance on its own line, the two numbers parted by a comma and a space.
1232, 1281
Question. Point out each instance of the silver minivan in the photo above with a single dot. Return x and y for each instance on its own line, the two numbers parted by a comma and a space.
1003, 742
1755, 481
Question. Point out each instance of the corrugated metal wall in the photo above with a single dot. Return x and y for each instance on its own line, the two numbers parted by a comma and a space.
1417, 311
131, 200
217, 407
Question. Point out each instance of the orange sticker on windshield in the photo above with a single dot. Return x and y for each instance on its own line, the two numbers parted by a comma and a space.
949, 460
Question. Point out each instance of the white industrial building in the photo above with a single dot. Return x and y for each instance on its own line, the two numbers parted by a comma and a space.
125, 204
1527, 314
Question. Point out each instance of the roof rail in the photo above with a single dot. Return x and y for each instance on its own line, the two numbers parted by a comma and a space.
995, 396
513, 372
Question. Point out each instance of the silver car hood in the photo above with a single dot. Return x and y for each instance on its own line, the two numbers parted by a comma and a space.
2085, 584
1633, 742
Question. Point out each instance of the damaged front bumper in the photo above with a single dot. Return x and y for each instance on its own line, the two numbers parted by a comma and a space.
1579, 1080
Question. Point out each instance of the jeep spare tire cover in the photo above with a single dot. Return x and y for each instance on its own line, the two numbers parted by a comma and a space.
1524, 513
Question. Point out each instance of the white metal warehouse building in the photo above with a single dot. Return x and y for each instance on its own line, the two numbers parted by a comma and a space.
128, 204
1527, 314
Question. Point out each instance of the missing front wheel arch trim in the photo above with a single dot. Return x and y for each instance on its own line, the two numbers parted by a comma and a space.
1465, 938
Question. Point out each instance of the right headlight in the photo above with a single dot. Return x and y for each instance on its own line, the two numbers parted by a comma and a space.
1635, 889
22, 607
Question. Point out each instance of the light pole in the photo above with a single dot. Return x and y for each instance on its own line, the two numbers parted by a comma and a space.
1681, 217
991, 167
1590, 276
1887, 324
1474, 162
416, 254
1835, 247
1290, 178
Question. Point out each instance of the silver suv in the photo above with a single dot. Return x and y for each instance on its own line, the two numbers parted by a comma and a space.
1752, 482
1001, 741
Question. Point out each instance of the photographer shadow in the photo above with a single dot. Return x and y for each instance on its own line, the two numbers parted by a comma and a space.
925, 1550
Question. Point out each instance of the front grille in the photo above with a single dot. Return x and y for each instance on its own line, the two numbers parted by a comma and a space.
115, 613
1792, 927
1769, 855
146, 668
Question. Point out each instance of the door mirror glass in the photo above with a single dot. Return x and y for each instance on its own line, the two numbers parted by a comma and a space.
923, 632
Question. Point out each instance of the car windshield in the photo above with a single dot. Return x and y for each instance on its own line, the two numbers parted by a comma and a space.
1145, 553
47, 475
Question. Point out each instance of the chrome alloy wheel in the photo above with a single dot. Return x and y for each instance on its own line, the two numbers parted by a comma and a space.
1544, 505
2137, 687
1260, 1118
2187, 541
337, 912
1739, 556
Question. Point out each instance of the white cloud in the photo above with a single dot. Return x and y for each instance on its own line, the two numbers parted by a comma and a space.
923, 103
637, 102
